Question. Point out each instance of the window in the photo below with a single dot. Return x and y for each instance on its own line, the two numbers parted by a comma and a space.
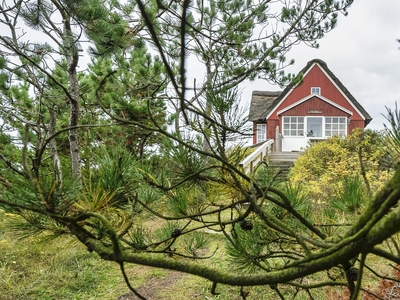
315, 91
314, 126
335, 126
261, 133
293, 126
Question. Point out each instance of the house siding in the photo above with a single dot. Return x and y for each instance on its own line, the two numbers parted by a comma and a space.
271, 126
315, 107
353, 125
333, 100
317, 78
255, 133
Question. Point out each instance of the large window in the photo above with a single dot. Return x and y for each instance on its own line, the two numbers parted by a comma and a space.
293, 126
261, 133
335, 126
314, 126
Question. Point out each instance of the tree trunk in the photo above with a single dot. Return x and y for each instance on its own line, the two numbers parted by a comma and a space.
73, 121
72, 57
53, 147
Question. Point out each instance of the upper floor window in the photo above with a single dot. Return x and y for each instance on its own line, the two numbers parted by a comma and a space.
293, 126
315, 91
261, 133
335, 126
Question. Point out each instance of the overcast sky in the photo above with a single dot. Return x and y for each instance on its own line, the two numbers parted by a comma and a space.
363, 52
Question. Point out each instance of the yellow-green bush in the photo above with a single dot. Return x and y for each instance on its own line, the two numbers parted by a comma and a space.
322, 168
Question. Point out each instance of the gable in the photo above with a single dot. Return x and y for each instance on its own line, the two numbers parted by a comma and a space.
315, 77
315, 106
317, 74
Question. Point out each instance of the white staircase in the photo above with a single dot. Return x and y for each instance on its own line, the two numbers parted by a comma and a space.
281, 160
261, 153
284, 156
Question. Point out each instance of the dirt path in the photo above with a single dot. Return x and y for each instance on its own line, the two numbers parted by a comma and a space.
154, 286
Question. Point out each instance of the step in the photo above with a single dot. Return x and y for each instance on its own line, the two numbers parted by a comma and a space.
285, 168
284, 156
282, 162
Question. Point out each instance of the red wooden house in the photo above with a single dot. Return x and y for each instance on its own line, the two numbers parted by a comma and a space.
316, 108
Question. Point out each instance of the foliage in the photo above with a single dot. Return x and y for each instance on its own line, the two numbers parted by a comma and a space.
89, 153
351, 198
64, 269
393, 133
322, 169
129, 92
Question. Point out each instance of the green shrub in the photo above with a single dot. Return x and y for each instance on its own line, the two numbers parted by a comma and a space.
322, 168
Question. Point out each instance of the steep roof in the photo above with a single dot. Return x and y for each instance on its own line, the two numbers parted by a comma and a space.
260, 102
264, 105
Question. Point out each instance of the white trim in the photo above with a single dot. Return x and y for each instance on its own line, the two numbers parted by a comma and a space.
264, 131
316, 88
318, 96
290, 123
306, 119
290, 143
333, 82
345, 125
343, 94
288, 93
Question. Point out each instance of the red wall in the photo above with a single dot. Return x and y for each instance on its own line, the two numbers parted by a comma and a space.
271, 125
315, 104
354, 124
316, 78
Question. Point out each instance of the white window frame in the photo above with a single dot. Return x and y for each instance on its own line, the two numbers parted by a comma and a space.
261, 133
335, 126
293, 126
322, 123
315, 90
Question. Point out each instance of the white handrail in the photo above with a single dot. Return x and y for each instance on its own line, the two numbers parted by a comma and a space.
261, 153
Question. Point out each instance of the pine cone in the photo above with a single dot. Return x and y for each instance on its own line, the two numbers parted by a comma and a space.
352, 274
176, 232
246, 225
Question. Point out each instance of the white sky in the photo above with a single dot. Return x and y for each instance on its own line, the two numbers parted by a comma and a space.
363, 52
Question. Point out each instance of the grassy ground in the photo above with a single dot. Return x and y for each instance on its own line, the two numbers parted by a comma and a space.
64, 269
60, 269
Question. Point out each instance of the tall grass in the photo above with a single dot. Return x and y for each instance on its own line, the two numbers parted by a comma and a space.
57, 269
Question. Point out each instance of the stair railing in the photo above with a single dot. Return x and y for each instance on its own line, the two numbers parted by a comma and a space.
261, 153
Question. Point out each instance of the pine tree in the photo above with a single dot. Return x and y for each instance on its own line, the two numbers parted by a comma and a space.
120, 157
